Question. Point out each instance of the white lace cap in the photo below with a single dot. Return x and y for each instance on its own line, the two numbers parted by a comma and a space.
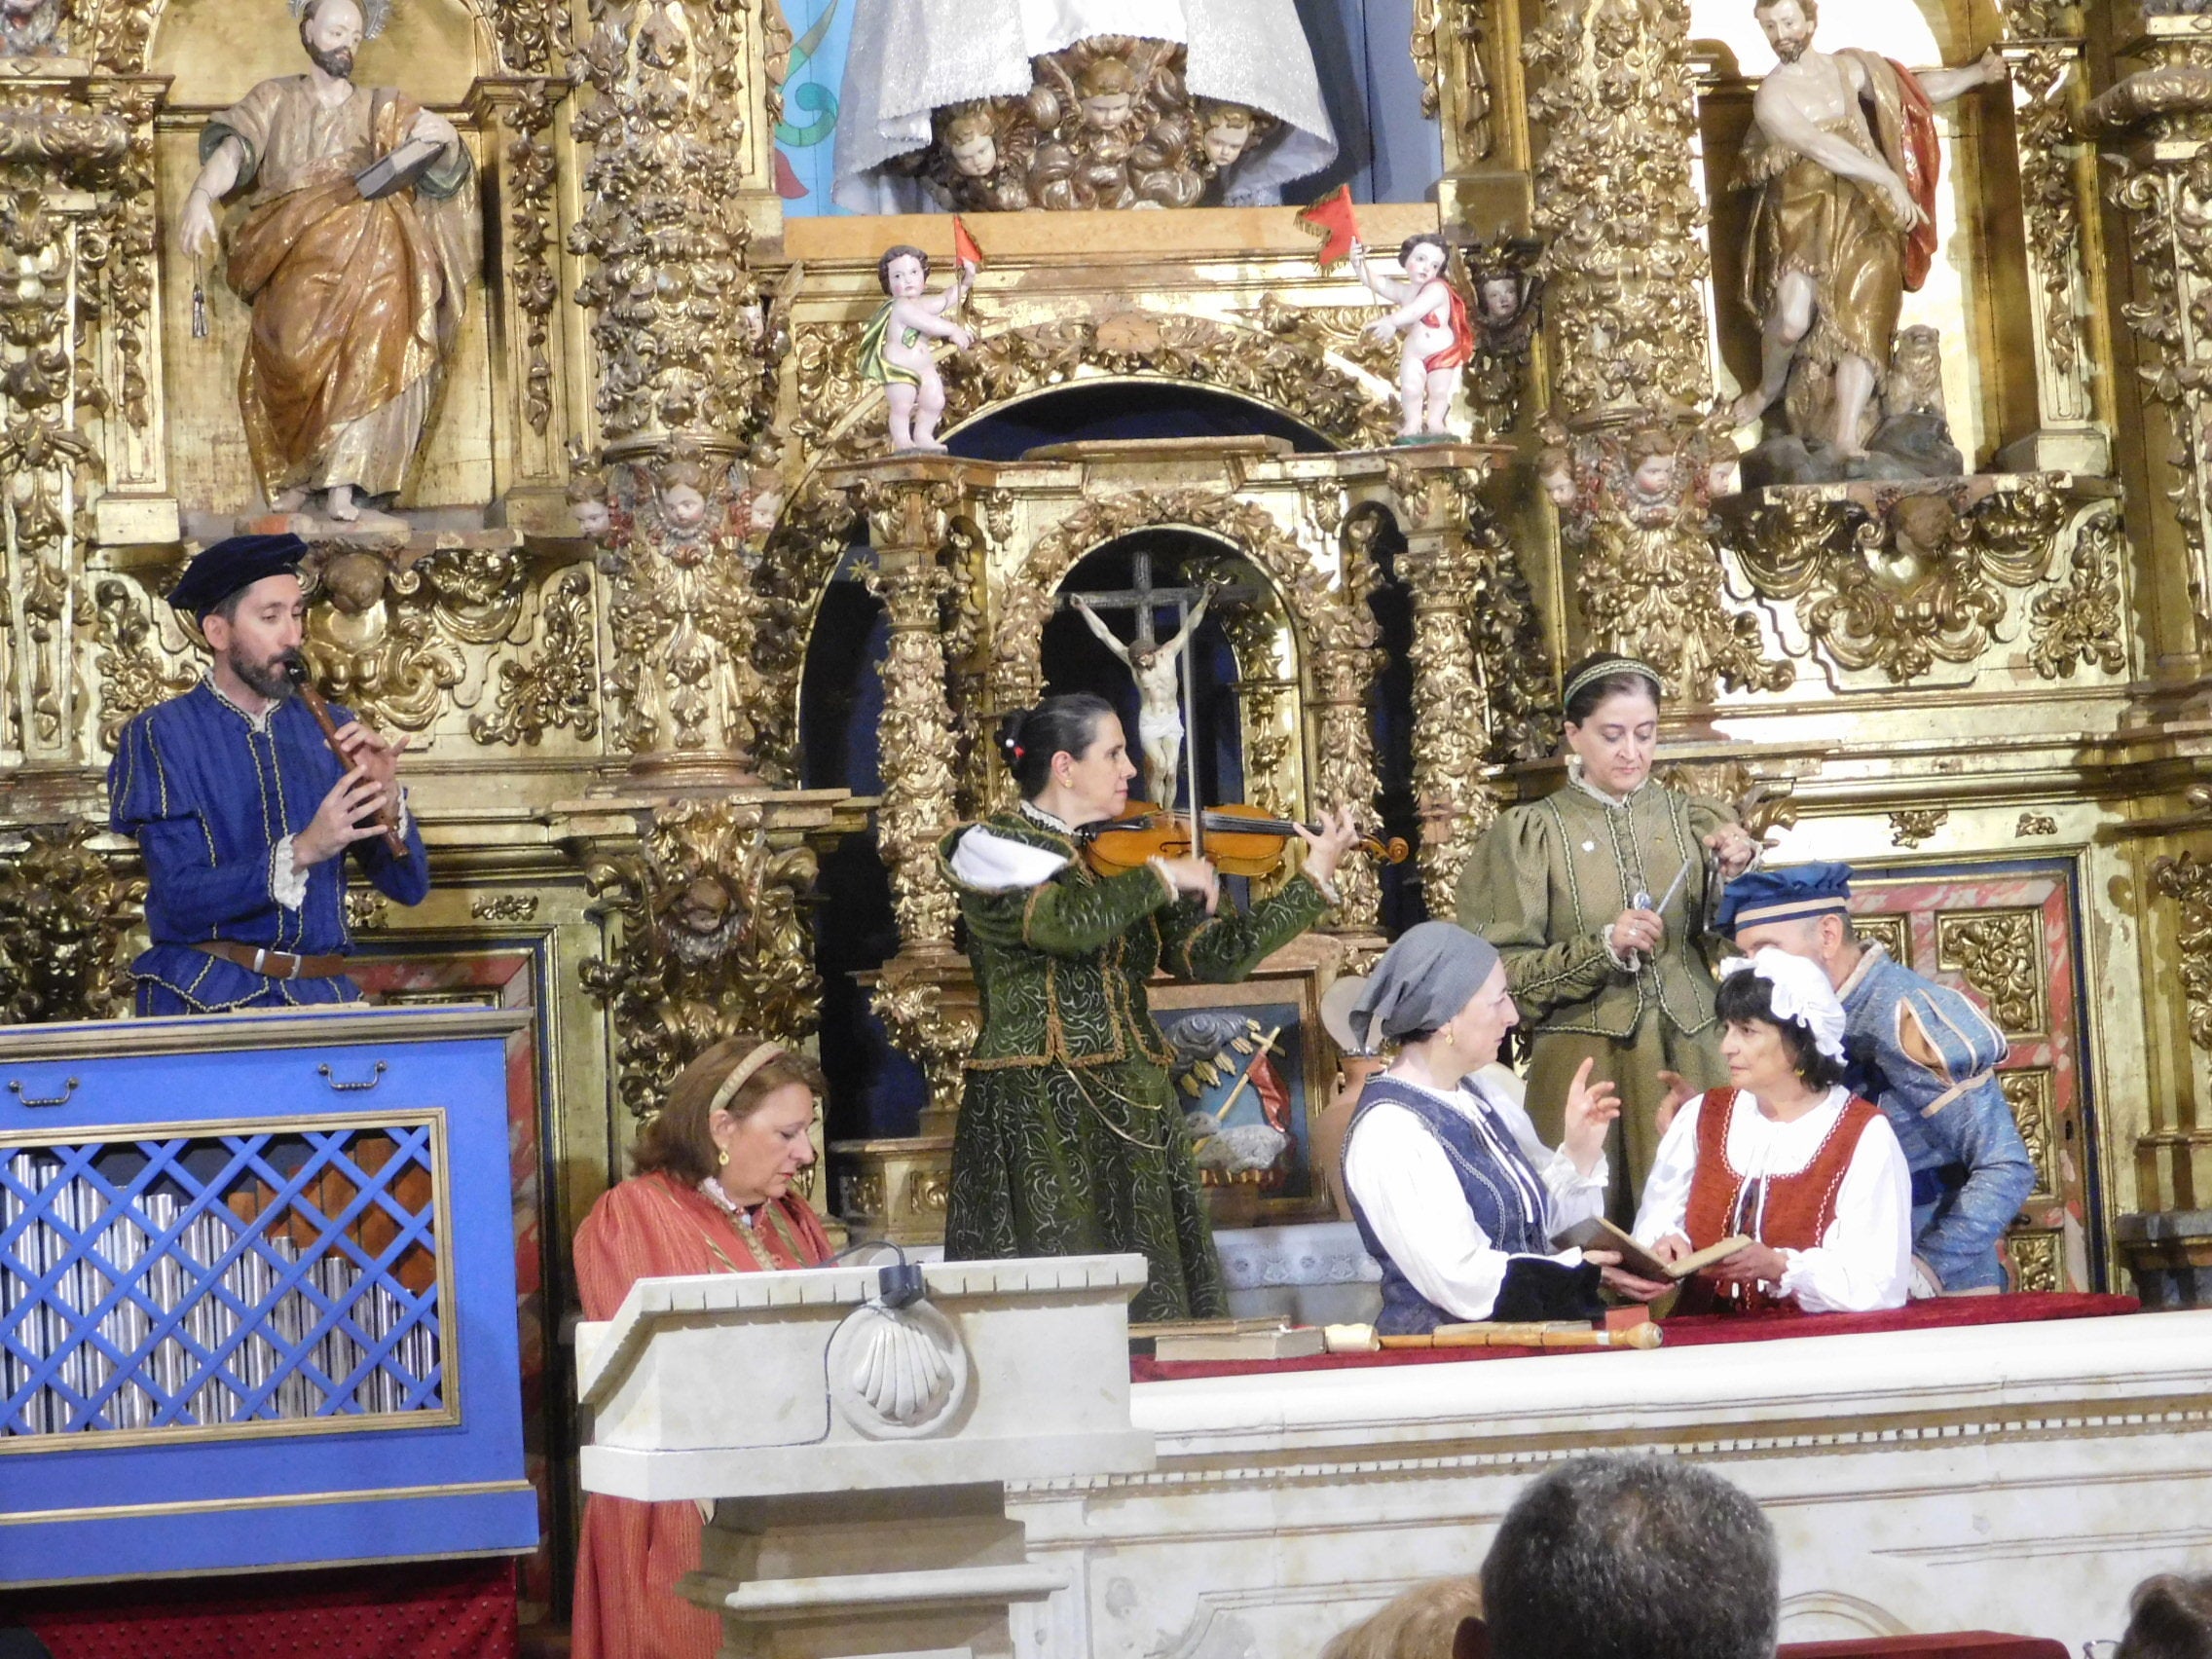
1801, 991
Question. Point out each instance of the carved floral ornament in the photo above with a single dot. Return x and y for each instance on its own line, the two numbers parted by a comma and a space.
706, 937
1898, 583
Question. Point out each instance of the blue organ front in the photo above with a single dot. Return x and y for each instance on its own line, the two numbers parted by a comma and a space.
257, 1293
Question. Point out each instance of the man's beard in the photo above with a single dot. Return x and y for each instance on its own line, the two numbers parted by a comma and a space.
338, 64
1791, 48
264, 679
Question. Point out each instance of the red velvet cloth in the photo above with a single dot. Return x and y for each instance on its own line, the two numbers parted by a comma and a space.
1692, 1330
437, 1609
1952, 1645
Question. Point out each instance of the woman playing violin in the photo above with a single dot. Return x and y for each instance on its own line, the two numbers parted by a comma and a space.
1070, 1140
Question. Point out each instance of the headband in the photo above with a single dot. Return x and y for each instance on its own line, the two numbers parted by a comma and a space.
1605, 668
741, 1073
1798, 991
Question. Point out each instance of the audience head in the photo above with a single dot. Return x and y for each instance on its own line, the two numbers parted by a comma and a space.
1612, 719
741, 1112
1619, 1557
1071, 748
2169, 1617
1782, 1020
1436, 1620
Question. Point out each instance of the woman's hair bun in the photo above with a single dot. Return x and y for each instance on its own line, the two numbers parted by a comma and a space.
1009, 737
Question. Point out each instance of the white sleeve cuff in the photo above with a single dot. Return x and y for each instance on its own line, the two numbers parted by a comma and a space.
1328, 888
286, 885
1605, 936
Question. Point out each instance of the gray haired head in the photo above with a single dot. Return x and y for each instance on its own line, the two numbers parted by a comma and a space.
1622, 1557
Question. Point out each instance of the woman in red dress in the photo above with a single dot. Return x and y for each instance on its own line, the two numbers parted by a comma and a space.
710, 1193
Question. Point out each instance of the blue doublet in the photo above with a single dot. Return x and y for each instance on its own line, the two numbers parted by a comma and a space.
1502, 1188
210, 791
1970, 1170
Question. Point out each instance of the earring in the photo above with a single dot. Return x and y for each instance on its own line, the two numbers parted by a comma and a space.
723, 1158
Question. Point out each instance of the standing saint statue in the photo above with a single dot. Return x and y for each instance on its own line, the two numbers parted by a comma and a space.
358, 282
1159, 695
1843, 155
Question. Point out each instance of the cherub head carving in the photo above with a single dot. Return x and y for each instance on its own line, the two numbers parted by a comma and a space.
1652, 464
682, 495
1226, 132
1106, 92
902, 271
970, 135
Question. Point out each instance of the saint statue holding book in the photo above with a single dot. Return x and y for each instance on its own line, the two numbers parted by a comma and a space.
354, 248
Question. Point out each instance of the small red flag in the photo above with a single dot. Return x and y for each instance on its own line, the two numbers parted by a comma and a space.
1330, 222
964, 248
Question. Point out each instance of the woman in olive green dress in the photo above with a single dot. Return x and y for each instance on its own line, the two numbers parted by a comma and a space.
1070, 1140
1555, 886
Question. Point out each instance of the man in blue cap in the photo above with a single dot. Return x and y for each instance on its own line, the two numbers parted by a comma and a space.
1924, 1053
243, 812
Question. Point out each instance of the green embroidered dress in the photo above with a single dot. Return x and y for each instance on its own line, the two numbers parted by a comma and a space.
1070, 1140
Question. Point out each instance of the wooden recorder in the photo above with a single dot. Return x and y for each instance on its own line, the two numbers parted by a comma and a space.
387, 814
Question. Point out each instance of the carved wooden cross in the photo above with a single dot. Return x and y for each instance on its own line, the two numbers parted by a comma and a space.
1144, 598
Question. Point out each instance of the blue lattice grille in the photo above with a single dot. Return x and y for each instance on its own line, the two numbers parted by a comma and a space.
189, 1283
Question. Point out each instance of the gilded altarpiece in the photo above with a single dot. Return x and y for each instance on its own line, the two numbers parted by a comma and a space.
654, 453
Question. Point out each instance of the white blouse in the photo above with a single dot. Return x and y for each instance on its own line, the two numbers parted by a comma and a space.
1863, 1261
1404, 1181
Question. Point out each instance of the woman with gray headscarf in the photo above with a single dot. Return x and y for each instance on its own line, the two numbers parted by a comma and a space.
1454, 1194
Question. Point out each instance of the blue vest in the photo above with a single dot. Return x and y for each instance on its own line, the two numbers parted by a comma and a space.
1500, 1186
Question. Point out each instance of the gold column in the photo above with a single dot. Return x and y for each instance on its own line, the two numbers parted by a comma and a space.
1613, 87
2046, 54
1435, 486
2156, 127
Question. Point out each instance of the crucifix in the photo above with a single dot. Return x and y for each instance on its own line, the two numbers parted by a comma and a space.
1164, 709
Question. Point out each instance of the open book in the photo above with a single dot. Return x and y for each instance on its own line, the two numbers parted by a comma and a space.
1599, 1234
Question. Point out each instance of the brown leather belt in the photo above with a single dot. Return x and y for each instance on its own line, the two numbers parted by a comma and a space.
277, 964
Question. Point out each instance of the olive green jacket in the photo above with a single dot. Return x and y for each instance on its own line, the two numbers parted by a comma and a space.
1062, 965
1550, 877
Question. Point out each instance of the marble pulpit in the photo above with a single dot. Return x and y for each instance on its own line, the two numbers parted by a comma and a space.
857, 1449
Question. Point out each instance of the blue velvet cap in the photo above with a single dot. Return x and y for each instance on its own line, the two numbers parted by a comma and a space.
229, 565
1789, 894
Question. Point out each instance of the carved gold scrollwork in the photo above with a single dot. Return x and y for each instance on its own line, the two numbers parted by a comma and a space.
503, 907
134, 672
803, 549
558, 685
530, 174
2187, 882
533, 35
1926, 580
2082, 620
2032, 1093
706, 938
910, 999
1912, 824
2049, 201
366, 910
2000, 953
2035, 1261
67, 918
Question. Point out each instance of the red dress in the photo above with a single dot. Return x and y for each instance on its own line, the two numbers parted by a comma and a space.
632, 1554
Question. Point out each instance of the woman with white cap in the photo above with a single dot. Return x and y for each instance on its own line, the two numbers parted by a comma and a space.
1454, 1194
1785, 1157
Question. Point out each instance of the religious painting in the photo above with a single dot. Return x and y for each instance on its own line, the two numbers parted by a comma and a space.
2007, 934
1249, 1073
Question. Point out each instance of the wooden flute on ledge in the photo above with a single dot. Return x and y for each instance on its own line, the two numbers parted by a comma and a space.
387, 814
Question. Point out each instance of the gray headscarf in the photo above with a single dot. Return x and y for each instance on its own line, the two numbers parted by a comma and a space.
1422, 981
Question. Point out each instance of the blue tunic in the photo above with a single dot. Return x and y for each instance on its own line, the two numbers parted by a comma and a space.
210, 791
1506, 1194
1970, 1170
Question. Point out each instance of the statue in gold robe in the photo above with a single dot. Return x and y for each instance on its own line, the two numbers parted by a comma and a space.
1843, 155
356, 302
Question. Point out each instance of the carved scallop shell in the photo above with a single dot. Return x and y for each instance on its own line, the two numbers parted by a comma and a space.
896, 1372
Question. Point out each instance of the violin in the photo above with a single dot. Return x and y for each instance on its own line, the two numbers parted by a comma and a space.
1240, 839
